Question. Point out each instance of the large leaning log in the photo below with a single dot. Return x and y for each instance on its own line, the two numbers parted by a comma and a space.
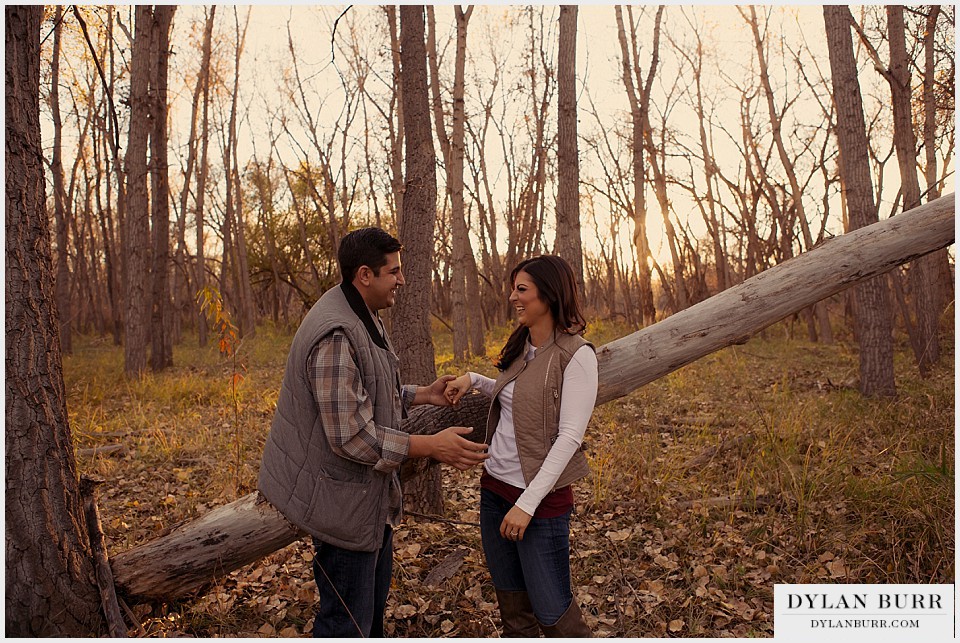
243, 531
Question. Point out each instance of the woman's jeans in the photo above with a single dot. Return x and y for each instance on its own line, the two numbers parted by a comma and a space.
539, 564
353, 588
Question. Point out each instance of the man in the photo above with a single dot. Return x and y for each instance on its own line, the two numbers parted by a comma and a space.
330, 464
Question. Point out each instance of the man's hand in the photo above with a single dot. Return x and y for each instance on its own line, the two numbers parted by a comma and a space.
449, 447
434, 394
457, 388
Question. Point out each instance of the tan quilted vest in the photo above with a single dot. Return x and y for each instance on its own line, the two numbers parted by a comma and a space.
536, 406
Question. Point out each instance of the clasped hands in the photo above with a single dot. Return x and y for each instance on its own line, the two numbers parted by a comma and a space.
448, 446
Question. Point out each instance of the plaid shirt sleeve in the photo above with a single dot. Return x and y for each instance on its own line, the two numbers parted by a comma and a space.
407, 393
346, 410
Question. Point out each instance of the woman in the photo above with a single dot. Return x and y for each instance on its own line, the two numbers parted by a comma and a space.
541, 403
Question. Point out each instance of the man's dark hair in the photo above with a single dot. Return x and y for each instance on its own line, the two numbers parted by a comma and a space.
365, 247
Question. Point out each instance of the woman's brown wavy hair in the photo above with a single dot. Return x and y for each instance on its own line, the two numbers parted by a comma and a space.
556, 287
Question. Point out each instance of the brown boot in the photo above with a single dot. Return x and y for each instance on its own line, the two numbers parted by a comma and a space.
516, 615
570, 625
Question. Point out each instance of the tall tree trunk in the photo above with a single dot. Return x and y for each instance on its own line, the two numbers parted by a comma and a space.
112, 139
181, 281
249, 528
930, 103
137, 239
944, 275
203, 169
161, 321
464, 286
714, 223
411, 317
59, 206
49, 588
638, 106
569, 244
395, 130
873, 321
923, 272
235, 248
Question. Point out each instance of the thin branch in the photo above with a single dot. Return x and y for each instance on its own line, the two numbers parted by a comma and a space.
103, 79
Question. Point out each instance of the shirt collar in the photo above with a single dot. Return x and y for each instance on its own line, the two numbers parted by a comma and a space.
363, 312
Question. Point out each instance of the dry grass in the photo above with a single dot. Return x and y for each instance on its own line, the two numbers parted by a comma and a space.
756, 465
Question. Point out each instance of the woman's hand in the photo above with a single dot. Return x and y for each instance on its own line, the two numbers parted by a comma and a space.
514, 524
457, 388
435, 393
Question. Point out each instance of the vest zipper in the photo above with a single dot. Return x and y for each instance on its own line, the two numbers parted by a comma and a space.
556, 395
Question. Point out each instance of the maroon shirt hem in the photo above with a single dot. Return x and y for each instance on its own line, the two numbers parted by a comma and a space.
556, 503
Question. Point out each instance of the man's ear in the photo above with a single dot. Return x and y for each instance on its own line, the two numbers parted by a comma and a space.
364, 275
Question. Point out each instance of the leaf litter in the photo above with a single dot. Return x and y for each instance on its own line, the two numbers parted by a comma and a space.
657, 549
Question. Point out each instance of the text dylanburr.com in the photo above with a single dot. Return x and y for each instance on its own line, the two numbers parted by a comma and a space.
852, 613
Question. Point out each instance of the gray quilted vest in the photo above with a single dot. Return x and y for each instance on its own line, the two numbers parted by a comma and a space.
336, 500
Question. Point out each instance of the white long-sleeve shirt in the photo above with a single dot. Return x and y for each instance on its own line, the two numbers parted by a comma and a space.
576, 406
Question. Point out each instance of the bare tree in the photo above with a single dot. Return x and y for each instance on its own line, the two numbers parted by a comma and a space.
872, 317
59, 207
709, 208
182, 281
411, 316
395, 120
464, 286
923, 271
639, 107
203, 169
49, 586
235, 268
796, 190
137, 224
569, 244
930, 108
161, 322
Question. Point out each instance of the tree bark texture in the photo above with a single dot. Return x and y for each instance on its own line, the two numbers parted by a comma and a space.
395, 128
873, 320
49, 587
923, 271
569, 244
137, 292
104, 574
946, 287
464, 290
239, 533
161, 321
411, 317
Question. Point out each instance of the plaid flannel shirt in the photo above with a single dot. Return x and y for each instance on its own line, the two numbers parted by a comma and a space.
346, 410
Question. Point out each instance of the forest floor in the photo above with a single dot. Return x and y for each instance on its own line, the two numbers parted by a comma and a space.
759, 464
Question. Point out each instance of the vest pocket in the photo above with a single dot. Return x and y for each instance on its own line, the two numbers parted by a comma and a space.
346, 514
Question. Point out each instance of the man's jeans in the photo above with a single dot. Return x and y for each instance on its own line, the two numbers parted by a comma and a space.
539, 564
353, 588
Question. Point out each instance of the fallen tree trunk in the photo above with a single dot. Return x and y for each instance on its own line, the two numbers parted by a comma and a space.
192, 555
245, 530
